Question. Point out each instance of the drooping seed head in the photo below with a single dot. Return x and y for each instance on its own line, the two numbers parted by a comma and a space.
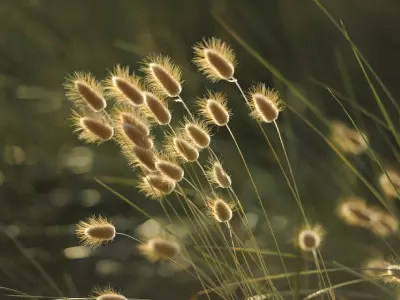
170, 169
157, 109
354, 211
217, 175
95, 231
92, 128
215, 59
310, 239
214, 109
107, 294
156, 186
198, 133
390, 183
383, 223
347, 139
159, 249
265, 103
163, 76
85, 91
123, 87
220, 210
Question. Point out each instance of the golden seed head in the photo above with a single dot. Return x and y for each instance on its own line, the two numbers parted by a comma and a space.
170, 169
107, 294
123, 87
136, 136
198, 133
95, 231
376, 267
159, 249
391, 188
220, 210
126, 114
163, 76
393, 271
217, 175
383, 223
265, 103
145, 158
156, 186
85, 91
310, 239
354, 211
185, 150
347, 139
214, 109
157, 109
92, 128
215, 59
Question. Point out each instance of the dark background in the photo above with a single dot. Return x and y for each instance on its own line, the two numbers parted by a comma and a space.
46, 174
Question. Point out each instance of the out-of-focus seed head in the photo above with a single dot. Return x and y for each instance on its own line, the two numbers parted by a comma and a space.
163, 76
354, 211
169, 168
198, 133
95, 231
159, 249
347, 139
215, 59
123, 87
265, 103
85, 91
217, 175
376, 267
383, 223
309, 239
107, 294
92, 128
220, 210
213, 107
157, 109
390, 183
393, 270
156, 186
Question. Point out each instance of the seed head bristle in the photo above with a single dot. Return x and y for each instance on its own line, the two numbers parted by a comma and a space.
157, 109
92, 128
391, 188
169, 168
159, 249
383, 223
220, 210
217, 175
107, 293
182, 149
215, 59
95, 231
198, 133
393, 270
265, 103
85, 91
123, 87
156, 186
162, 75
213, 107
347, 139
309, 239
354, 211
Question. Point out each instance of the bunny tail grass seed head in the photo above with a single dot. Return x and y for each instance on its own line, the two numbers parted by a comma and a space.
181, 148
215, 59
217, 175
156, 186
157, 109
123, 87
163, 76
85, 91
136, 136
354, 211
265, 103
198, 133
92, 128
383, 223
347, 139
393, 271
156, 249
213, 107
123, 113
220, 210
95, 231
140, 157
375, 267
390, 183
309, 239
169, 168
107, 294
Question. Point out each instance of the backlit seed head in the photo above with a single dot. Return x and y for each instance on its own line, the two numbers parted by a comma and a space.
220, 210
309, 239
347, 139
107, 294
214, 109
182, 149
383, 223
159, 249
170, 169
198, 133
128, 114
354, 211
163, 76
140, 157
95, 231
217, 175
92, 128
156, 186
136, 136
391, 188
393, 270
157, 109
265, 103
123, 87
85, 91
215, 59
376, 267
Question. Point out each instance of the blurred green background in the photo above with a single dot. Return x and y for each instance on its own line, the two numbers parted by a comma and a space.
46, 174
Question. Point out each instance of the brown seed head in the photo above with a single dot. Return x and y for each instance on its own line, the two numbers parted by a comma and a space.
347, 139
159, 249
95, 231
310, 239
391, 188
265, 104
217, 175
354, 211
394, 272
158, 109
170, 169
215, 59
136, 136
198, 133
383, 223
107, 294
220, 210
156, 186
214, 109
184, 149
92, 128
376, 267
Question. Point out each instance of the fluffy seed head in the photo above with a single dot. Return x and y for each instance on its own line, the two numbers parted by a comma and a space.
85, 91
95, 231
217, 175
376, 267
215, 59
214, 109
198, 133
220, 210
136, 136
107, 294
170, 169
157, 109
265, 103
163, 76
127, 114
159, 249
144, 158
391, 188
383, 223
92, 128
185, 149
310, 239
393, 271
347, 139
123, 87
156, 186
354, 211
